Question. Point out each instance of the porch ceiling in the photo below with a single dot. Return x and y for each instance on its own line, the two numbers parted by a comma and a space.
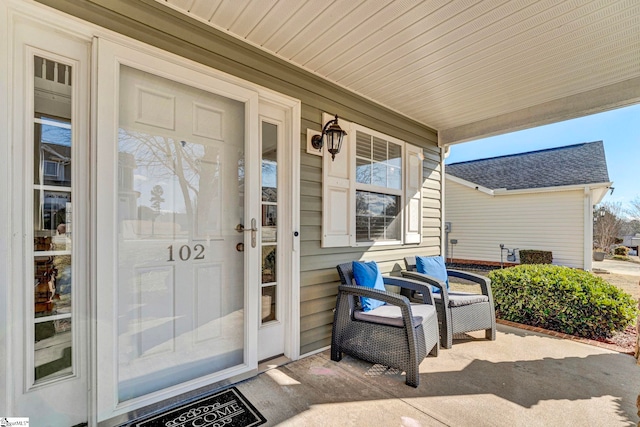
467, 68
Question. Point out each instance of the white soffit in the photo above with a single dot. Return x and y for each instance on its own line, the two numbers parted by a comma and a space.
467, 68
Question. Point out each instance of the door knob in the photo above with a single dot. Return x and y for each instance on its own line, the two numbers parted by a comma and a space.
254, 229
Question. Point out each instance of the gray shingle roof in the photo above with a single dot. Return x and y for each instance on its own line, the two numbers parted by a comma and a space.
569, 165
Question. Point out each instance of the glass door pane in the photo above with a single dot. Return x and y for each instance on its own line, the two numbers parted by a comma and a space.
52, 221
181, 196
269, 222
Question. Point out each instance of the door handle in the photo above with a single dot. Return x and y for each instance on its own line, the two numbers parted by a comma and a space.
254, 229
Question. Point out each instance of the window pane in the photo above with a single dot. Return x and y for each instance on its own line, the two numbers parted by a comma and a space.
362, 228
269, 181
379, 150
52, 149
377, 217
394, 177
363, 171
392, 228
269, 222
269, 303
395, 155
53, 349
379, 174
269, 269
52, 217
363, 145
52, 293
52, 202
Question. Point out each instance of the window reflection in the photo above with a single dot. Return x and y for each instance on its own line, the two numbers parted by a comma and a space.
269, 303
378, 162
269, 178
269, 269
168, 187
52, 221
379, 180
377, 217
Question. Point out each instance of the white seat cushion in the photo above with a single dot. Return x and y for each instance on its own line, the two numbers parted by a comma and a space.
392, 316
459, 299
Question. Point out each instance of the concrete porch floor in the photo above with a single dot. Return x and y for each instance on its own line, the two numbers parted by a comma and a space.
521, 379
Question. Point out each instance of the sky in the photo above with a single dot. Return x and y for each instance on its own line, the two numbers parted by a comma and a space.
618, 129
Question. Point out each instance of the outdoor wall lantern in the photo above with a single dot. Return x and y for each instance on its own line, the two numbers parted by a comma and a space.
334, 135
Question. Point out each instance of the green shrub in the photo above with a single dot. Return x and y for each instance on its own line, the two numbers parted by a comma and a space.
621, 250
561, 299
531, 256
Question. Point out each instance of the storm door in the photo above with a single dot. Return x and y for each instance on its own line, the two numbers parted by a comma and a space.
180, 195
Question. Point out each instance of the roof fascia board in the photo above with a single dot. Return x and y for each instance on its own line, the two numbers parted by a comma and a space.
469, 184
598, 193
601, 185
600, 189
582, 104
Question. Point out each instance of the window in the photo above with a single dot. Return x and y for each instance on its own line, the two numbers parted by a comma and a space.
378, 189
51, 168
372, 191
53, 255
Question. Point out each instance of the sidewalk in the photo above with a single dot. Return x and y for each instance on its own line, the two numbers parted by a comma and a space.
618, 267
522, 379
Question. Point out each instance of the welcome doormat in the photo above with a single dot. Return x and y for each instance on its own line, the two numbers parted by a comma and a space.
227, 408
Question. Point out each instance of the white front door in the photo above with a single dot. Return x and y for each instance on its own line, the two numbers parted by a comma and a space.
50, 199
178, 229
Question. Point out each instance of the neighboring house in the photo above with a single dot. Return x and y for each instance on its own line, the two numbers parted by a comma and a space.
632, 241
538, 200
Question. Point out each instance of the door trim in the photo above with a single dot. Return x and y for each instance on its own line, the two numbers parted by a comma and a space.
27, 38
291, 290
132, 53
110, 57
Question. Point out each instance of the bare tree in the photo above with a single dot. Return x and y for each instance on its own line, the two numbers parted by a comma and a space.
607, 225
194, 166
635, 208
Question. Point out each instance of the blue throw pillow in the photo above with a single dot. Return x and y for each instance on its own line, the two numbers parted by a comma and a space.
367, 274
434, 267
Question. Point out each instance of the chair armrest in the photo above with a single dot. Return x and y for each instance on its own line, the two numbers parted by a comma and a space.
385, 296
484, 282
425, 278
414, 285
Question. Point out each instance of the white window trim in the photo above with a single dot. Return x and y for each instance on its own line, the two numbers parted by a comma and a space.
374, 188
339, 192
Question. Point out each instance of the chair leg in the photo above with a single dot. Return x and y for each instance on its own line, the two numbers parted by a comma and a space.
446, 335
413, 378
336, 355
490, 334
435, 350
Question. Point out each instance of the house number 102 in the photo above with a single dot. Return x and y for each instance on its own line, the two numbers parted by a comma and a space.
185, 252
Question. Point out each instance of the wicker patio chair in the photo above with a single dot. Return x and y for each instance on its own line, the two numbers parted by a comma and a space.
458, 311
398, 334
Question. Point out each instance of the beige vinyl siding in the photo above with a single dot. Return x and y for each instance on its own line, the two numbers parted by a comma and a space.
552, 221
167, 29
318, 276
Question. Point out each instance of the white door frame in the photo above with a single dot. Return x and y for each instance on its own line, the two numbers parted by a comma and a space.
290, 227
109, 56
31, 38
